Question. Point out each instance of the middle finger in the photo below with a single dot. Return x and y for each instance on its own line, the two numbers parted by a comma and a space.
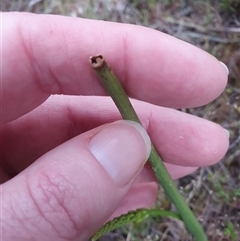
181, 139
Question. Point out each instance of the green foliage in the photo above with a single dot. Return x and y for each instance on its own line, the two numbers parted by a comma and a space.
228, 5
229, 231
221, 190
237, 192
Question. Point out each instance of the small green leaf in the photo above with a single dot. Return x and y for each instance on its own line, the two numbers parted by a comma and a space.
229, 231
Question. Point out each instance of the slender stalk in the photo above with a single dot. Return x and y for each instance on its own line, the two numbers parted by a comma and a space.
116, 91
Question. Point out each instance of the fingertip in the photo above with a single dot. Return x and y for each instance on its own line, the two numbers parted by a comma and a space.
187, 140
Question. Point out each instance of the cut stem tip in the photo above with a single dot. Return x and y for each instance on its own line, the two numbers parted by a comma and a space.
97, 61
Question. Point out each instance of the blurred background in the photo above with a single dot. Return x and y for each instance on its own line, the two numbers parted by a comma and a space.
213, 192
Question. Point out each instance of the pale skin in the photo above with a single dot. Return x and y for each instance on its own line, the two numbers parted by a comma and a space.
44, 55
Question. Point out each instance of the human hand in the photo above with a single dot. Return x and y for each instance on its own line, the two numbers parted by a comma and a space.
68, 181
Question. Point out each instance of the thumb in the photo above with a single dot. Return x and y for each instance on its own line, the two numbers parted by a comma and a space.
69, 192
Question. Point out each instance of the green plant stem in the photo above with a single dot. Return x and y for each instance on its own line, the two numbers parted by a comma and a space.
117, 93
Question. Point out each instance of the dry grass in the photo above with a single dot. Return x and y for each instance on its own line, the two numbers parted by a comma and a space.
213, 192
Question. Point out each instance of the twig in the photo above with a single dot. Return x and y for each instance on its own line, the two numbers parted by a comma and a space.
201, 28
212, 38
117, 93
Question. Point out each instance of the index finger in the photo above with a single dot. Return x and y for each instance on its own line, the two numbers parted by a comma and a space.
46, 55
